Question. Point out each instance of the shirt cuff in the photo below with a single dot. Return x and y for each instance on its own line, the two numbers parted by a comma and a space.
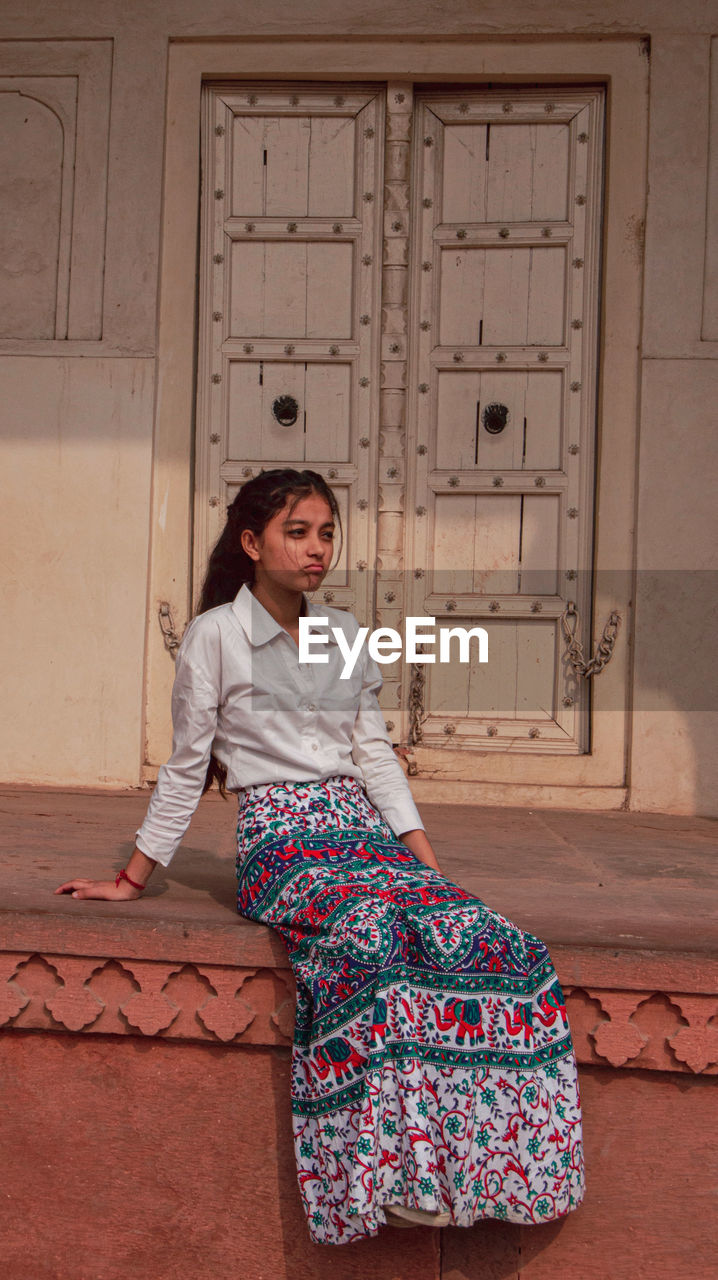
401, 813
163, 856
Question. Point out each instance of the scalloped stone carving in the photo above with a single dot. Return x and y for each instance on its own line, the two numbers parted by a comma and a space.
619, 1040
12, 998
37, 979
283, 1017
657, 1019
585, 1015
226, 1015
696, 1044
149, 1010
74, 1005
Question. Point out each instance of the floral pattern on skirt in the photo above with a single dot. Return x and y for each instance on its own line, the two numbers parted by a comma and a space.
432, 1063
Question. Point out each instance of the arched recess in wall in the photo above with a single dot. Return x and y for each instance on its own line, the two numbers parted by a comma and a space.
32, 148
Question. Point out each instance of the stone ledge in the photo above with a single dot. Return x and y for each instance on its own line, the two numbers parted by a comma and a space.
616, 897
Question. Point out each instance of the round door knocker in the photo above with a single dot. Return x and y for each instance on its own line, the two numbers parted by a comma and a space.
285, 410
494, 418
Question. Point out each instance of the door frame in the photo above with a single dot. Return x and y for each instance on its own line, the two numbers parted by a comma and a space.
597, 779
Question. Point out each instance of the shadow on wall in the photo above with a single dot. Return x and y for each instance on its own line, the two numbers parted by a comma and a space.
675, 704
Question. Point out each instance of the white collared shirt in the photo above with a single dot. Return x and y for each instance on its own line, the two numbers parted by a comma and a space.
241, 692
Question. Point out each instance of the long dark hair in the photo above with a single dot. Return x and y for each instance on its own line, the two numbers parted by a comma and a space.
229, 565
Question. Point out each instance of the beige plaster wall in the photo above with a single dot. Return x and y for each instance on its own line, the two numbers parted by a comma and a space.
675, 723
74, 531
77, 417
674, 747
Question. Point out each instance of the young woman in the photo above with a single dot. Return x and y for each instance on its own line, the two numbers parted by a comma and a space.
433, 1077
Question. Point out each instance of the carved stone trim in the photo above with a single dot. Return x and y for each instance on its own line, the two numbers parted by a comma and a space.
651, 1030
148, 998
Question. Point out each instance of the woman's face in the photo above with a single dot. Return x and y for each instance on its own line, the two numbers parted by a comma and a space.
296, 546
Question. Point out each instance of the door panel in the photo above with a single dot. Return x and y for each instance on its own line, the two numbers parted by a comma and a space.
253, 429
291, 166
494, 296
322, 395
489, 545
522, 409
504, 319
328, 399
496, 172
289, 308
515, 685
290, 289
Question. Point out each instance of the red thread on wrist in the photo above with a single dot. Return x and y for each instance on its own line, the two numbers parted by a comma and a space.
122, 875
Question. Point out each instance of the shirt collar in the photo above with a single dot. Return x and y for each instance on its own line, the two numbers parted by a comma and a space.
260, 626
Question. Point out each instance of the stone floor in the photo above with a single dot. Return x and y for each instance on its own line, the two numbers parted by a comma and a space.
622, 881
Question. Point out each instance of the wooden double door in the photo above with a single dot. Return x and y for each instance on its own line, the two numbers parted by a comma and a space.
399, 289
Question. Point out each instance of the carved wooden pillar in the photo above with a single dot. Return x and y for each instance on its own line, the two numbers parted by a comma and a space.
392, 406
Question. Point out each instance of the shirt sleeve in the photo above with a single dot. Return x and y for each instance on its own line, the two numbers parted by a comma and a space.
195, 698
384, 779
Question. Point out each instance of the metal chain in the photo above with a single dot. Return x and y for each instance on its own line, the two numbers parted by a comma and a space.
417, 713
167, 627
574, 649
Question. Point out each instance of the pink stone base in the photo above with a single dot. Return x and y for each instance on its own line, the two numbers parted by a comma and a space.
145, 1124
129, 1159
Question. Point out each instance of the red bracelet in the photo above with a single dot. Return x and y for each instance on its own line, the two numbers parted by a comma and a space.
122, 875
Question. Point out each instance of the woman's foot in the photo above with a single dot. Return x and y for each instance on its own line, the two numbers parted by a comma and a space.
398, 1215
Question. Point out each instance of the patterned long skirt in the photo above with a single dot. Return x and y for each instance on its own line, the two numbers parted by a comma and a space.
432, 1063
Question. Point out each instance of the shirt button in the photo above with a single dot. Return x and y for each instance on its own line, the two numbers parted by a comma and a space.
315, 746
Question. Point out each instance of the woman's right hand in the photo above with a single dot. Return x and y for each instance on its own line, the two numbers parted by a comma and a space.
139, 868
106, 889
